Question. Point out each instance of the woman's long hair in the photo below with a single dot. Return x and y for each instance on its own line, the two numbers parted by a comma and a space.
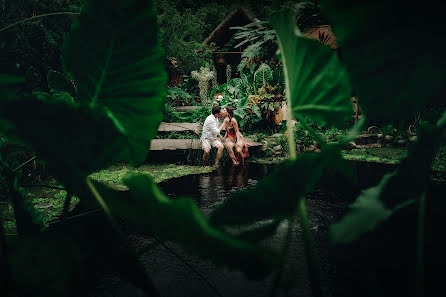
230, 111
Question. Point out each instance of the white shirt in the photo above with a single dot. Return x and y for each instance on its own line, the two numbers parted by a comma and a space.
210, 128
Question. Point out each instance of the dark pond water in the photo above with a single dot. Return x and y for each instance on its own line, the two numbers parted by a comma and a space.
173, 278
325, 205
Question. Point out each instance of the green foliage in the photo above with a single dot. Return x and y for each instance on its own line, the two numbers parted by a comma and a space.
113, 56
317, 82
31, 48
127, 74
183, 29
204, 76
178, 94
263, 76
181, 221
405, 184
362, 36
260, 41
59, 82
302, 135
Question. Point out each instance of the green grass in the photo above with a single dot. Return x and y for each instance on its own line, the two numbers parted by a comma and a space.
386, 155
50, 201
391, 155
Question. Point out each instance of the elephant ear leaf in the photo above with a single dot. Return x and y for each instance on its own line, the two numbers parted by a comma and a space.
114, 56
182, 222
10, 86
395, 71
59, 83
315, 79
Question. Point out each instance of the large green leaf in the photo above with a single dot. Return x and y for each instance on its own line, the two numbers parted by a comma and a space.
69, 257
74, 140
405, 184
392, 52
263, 75
277, 195
182, 222
364, 215
315, 79
121, 96
10, 85
114, 57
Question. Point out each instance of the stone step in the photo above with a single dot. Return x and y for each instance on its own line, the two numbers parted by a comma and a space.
185, 108
185, 144
179, 127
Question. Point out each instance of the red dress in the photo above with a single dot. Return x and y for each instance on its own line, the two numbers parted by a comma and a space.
233, 137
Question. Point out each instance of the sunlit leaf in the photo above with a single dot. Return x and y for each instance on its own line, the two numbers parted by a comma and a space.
395, 70
364, 215
317, 82
182, 222
114, 57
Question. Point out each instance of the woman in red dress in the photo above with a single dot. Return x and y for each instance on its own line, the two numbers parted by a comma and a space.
233, 138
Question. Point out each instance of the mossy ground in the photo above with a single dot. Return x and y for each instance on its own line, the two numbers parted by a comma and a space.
391, 155
50, 200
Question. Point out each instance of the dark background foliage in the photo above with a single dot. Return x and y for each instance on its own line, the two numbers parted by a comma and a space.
34, 47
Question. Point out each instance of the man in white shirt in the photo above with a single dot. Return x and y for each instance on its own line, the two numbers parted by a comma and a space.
210, 136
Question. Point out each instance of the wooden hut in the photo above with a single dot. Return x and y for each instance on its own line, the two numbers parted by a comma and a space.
175, 77
228, 55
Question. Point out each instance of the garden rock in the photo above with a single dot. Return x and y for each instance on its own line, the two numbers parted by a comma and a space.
388, 138
401, 142
277, 148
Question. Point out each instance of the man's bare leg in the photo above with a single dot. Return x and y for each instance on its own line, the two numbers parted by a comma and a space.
205, 157
219, 154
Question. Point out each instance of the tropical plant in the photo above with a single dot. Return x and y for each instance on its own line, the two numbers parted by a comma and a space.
228, 73
179, 94
125, 89
203, 77
260, 43
263, 76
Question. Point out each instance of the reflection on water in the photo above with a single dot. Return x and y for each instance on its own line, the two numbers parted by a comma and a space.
210, 189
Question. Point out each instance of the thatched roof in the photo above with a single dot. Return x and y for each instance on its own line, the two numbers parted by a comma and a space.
221, 34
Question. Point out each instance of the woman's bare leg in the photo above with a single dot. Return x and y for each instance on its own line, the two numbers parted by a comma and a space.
230, 148
239, 149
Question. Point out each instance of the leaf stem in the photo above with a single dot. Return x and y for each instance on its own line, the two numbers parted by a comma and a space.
210, 285
66, 204
420, 247
20, 166
105, 207
38, 16
314, 268
284, 254
149, 286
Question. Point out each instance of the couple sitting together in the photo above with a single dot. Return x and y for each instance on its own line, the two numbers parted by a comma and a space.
211, 136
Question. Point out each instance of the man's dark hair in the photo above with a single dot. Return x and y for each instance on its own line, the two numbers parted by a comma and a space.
216, 109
